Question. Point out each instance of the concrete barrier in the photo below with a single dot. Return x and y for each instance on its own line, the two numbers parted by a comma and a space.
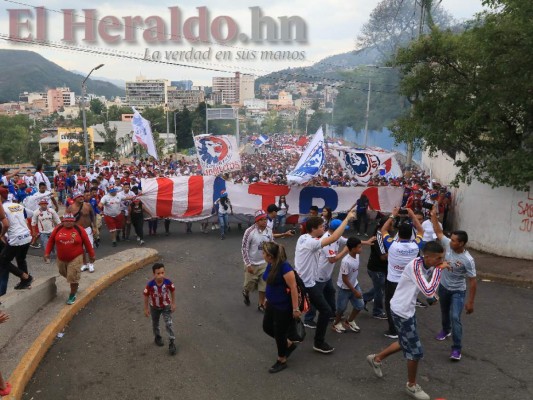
124, 263
24, 304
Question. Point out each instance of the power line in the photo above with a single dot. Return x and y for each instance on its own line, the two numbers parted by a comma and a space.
152, 29
129, 56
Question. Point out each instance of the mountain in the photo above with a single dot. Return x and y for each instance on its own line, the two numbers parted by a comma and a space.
117, 82
330, 67
27, 71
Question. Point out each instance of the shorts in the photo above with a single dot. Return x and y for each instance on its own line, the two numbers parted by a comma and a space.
114, 223
89, 231
71, 269
408, 337
346, 295
254, 281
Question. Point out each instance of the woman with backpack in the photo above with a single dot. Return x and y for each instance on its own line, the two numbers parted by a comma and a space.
282, 302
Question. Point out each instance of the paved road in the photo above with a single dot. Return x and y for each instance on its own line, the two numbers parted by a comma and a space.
107, 352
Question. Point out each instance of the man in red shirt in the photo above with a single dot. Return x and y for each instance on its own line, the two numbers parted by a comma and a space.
69, 240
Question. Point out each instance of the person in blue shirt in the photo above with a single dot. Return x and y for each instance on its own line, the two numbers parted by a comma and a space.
282, 302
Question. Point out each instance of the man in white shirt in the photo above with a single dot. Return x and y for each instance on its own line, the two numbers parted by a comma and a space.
306, 264
16, 237
422, 274
111, 204
40, 176
44, 221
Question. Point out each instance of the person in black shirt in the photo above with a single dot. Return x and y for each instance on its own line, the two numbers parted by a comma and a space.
377, 270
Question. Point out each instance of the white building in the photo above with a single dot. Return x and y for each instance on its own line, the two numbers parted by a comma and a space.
234, 90
143, 93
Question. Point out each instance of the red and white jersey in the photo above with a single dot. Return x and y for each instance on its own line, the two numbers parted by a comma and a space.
159, 295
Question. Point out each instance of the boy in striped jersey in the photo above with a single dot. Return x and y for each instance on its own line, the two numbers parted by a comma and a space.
420, 275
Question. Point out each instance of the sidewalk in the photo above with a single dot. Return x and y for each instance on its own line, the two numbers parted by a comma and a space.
24, 351
506, 270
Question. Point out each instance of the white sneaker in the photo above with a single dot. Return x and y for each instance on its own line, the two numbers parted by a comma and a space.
353, 326
91, 267
84, 267
213, 227
376, 366
138, 239
141, 242
416, 392
339, 328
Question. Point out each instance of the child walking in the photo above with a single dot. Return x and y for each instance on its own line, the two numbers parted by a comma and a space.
159, 299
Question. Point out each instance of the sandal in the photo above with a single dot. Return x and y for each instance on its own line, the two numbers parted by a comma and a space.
6, 391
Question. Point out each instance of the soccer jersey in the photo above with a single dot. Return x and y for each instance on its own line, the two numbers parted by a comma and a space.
159, 296
401, 252
45, 220
112, 204
69, 243
18, 233
252, 244
462, 266
349, 267
325, 268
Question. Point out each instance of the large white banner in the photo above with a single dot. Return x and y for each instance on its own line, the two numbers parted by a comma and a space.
311, 161
217, 154
191, 198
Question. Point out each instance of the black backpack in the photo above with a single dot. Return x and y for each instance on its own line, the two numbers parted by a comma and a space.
303, 297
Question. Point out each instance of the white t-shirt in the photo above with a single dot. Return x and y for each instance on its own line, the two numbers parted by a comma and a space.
429, 233
41, 177
18, 233
45, 220
325, 268
112, 204
349, 267
415, 278
306, 258
126, 200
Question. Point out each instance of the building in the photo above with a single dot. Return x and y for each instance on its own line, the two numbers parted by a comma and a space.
178, 98
59, 98
234, 90
182, 85
143, 93
256, 104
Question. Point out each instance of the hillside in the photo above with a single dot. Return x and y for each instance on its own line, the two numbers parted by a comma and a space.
330, 67
26, 71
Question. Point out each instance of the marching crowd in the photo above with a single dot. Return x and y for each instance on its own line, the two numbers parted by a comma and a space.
108, 192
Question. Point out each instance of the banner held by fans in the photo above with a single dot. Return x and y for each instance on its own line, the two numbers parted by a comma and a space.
217, 154
311, 161
191, 198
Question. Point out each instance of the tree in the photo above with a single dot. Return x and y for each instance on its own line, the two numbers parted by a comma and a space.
114, 112
301, 120
472, 95
110, 147
96, 106
394, 23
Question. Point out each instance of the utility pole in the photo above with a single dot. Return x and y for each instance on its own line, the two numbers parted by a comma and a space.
367, 109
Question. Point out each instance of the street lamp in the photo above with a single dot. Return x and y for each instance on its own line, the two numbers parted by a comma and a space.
83, 94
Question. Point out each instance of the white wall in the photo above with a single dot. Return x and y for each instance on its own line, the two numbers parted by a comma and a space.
498, 221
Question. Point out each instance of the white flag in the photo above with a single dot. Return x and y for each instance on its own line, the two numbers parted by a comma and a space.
311, 161
142, 133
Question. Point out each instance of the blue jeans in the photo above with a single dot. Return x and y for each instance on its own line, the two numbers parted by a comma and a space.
223, 223
377, 292
451, 307
329, 293
346, 295
281, 222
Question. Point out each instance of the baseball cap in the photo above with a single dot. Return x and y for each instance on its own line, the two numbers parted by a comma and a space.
260, 214
272, 208
335, 223
223, 193
69, 217
44, 200
77, 194
112, 189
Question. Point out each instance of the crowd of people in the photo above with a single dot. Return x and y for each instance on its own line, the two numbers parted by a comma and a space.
64, 216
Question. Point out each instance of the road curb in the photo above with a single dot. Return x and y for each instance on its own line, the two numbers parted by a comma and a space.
509, 280
33, 357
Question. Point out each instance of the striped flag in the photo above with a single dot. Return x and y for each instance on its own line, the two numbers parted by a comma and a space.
183, 198
261, 140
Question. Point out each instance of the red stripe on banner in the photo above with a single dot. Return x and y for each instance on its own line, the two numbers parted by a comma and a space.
196, 196
165, 195
373, 197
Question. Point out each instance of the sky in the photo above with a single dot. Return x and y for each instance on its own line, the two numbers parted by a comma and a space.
331, 27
